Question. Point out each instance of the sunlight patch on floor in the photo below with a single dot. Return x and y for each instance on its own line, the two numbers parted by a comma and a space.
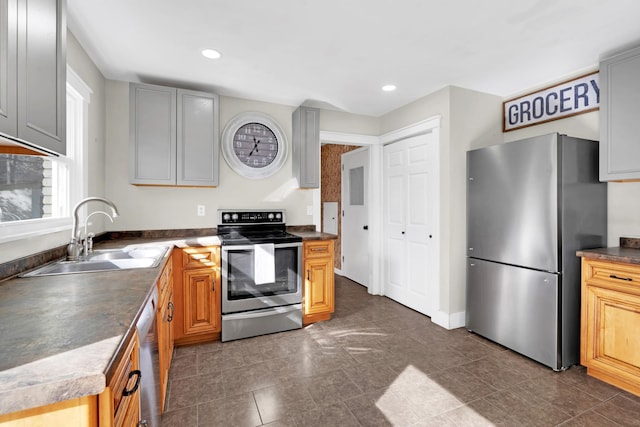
413, 396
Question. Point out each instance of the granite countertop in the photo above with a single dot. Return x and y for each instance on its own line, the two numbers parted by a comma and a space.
314, 235
60, 334
628, 252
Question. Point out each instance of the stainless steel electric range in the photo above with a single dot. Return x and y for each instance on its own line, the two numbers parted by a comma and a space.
261, 273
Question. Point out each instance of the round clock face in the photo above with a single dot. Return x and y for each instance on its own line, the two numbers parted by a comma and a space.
255, 145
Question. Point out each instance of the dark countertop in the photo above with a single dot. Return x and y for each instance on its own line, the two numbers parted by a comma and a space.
628, 252
60, 334
314, 235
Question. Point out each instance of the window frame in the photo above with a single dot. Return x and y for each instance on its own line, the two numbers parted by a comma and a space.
76, 167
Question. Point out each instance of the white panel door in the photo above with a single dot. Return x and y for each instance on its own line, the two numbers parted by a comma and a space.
355, 215
411, 205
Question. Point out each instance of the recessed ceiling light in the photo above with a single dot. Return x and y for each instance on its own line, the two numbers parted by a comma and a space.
389, 88
211, 54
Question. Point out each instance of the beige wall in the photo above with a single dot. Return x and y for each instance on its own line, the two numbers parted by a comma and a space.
337, 121
469, 119
147, 208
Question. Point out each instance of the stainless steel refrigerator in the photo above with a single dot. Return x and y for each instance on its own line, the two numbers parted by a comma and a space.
531, 204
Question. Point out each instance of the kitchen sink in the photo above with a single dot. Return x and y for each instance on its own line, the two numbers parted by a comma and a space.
105, 260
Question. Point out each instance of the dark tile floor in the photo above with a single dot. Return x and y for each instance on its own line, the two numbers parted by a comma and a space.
378, 363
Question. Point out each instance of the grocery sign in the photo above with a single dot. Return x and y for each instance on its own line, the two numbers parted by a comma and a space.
566, 99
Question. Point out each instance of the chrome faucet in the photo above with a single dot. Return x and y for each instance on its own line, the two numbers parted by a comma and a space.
75, 249
87, 245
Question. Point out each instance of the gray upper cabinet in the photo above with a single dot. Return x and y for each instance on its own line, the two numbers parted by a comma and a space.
8, 67
173, 136
197, 138
33, 72
152, 134
306, 147
619, 113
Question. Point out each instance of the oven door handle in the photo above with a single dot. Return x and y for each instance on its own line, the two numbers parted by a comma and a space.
262, 312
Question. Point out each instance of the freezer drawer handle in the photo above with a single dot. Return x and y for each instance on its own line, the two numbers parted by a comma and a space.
628, 279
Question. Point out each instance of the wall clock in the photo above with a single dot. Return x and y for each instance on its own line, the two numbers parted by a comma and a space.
254, 145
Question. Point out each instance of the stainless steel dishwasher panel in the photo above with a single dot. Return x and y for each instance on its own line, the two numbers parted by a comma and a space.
149, 363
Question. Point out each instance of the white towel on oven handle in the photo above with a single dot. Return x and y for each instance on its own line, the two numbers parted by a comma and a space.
264, 263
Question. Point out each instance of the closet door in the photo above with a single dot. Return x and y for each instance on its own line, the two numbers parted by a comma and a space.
411, 204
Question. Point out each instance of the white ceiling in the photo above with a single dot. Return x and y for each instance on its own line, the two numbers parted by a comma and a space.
338, 53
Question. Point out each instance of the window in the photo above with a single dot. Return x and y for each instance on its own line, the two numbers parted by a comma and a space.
37, 192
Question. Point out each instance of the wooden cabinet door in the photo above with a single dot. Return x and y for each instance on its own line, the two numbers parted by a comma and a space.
619, 110
42, 73
318, 287
8, 67
152, 134
197, 139
200, 293
610, 344
318, 292
165, 343
117, 408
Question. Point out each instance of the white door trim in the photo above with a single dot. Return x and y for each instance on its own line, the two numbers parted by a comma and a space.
376, 143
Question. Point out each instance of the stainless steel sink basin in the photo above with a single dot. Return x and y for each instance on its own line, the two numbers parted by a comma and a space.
144, 252
106, 260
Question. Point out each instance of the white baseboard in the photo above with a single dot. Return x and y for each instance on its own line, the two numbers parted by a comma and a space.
449, 321
338, 271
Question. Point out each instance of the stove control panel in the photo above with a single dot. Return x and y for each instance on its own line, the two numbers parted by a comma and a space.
248, 216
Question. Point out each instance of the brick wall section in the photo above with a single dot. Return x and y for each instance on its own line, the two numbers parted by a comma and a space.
331, 184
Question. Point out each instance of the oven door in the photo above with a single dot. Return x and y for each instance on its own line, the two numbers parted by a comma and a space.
239, 289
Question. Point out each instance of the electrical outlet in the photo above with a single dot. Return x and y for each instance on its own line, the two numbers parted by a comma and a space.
309, 210
200, 210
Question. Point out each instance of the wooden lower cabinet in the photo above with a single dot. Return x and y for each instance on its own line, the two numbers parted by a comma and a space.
164, 319
318, 293
80, 412
197, 295
119, 403
610, 342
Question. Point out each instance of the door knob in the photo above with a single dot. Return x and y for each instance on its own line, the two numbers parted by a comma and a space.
366, 227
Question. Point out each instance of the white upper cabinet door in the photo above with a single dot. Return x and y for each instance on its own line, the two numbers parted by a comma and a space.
152, 138
33, 70
619, 112
197, 143
173, 136
42, 71
8, 67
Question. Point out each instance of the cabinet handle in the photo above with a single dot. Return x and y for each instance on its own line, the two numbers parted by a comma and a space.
628, 279
319, 249
213, 285
126, 392
172, 308
308, 275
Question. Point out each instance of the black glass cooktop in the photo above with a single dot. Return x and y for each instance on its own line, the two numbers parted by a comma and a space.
250, 235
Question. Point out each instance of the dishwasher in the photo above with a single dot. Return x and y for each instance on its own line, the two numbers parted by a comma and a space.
147, 327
